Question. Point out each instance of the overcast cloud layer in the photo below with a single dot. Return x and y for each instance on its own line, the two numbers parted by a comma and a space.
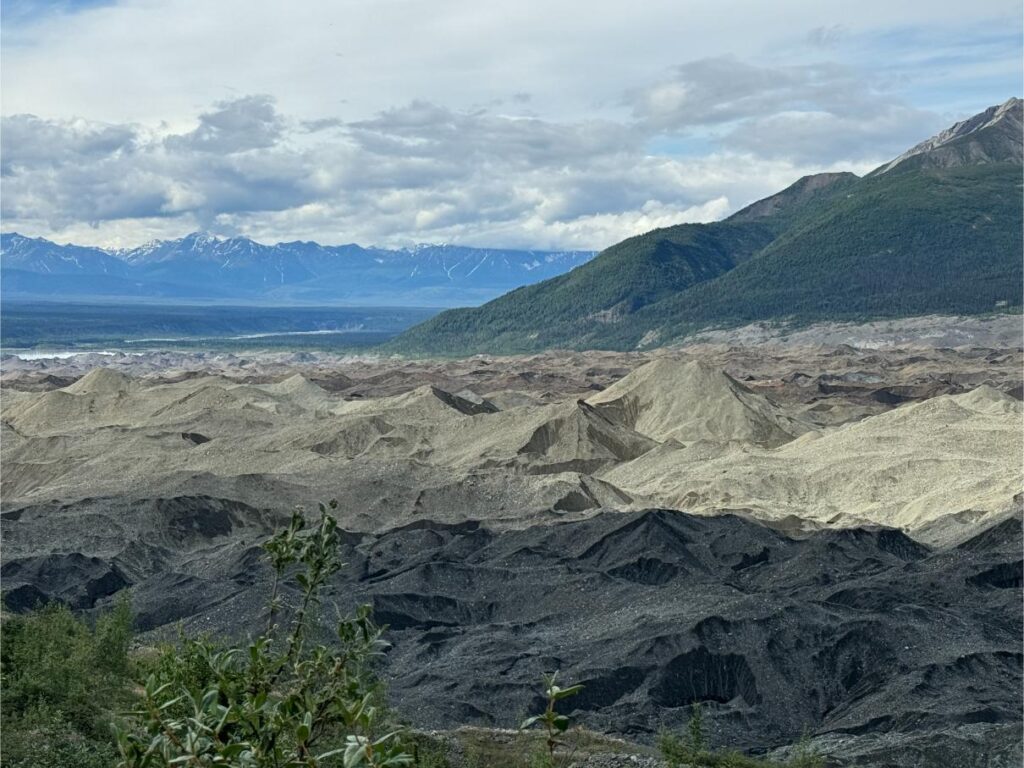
548, 125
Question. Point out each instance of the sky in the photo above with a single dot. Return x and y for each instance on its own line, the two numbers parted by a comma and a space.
546, 124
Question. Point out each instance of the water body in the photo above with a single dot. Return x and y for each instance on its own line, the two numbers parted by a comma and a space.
57, 329
61, 354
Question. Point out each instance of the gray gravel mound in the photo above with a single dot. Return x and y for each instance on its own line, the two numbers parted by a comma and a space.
872, 642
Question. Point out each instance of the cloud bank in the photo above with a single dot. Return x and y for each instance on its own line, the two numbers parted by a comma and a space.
415, 173
131, 120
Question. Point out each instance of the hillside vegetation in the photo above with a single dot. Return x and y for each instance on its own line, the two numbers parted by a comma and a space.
627, 277
930, 242
936, 233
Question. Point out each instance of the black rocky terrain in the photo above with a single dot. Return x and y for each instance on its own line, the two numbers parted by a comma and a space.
887, 651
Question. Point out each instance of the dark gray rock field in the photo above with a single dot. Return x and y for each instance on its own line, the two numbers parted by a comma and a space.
860, 637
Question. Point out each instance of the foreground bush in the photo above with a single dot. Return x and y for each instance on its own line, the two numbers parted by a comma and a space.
60, 679
44, 738
279, 703
693, 750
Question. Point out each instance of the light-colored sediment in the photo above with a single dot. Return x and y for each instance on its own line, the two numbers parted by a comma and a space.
672, 430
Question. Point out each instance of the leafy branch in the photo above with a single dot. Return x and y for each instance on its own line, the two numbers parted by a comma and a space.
554, 724
260, 707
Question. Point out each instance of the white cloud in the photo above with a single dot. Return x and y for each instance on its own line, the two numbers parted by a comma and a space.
146, 61
817, 136
415, 173
64, 171
533, 124
234, 126
811, 111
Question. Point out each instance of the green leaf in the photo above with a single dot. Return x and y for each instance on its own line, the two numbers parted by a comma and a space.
303, 731
564, 693
209, 699
171, 703
355, 751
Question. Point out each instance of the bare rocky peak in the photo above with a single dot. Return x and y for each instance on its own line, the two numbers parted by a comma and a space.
992, 136
798, 193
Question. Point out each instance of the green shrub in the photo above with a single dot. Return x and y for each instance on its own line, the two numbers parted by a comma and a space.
554, 724
427, 751
61, 679
53, 660
279, 703
694, 750
43, 738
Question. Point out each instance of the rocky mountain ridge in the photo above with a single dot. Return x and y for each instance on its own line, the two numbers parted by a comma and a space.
202, 265
994, 135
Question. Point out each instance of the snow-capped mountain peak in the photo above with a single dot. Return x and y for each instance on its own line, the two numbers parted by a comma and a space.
203, 264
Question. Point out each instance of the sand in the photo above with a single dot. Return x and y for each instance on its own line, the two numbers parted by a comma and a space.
674, 431
904, 469
669, 399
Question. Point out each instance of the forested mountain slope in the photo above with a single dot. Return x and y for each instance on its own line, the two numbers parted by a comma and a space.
920, 235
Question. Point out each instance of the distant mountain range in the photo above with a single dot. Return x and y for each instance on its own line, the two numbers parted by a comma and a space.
202, 266
935, 231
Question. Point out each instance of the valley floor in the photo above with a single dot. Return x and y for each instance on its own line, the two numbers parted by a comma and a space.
802, 537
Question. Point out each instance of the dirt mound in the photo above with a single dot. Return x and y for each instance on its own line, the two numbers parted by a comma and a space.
73, 579
905, 468
567, 437
299, 390
296, 384
102, 381
668, 399
580, 438
671, 433
988, 399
